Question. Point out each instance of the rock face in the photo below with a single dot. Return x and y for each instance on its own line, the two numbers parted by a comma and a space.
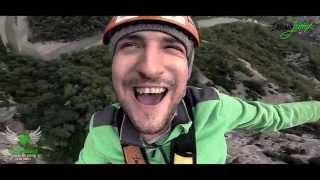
273, 148
7, 108
15, 32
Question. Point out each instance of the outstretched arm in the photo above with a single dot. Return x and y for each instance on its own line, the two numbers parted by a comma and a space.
267, 117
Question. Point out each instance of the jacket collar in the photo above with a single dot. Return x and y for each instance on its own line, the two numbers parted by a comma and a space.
130, 136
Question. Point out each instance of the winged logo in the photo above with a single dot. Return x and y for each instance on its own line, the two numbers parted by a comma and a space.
24, 139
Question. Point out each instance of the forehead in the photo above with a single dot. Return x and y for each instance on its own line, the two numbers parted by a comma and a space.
150, 35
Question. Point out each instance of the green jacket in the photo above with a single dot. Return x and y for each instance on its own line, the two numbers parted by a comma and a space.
214, 113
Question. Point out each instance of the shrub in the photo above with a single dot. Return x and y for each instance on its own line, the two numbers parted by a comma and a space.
60, 96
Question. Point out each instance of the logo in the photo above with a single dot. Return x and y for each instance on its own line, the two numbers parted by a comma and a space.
24, 145
297, 27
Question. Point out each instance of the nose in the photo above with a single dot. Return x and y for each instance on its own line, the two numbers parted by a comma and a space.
150, 64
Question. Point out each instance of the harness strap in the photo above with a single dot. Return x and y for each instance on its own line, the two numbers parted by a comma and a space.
133, 155
183, 149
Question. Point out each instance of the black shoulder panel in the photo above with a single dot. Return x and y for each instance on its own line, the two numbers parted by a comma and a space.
196, 95
108, 116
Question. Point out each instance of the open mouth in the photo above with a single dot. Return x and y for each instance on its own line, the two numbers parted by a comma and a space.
150, 95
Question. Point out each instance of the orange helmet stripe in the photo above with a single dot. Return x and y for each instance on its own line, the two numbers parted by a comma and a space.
183, 22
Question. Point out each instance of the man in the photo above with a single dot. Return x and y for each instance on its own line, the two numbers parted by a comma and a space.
159, 120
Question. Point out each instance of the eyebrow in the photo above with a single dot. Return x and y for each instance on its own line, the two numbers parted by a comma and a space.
170, 39
175, 41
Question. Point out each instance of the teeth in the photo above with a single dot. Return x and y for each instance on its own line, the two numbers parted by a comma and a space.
150, 90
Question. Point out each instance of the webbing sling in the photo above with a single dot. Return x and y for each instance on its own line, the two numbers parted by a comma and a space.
183, 149
133, 155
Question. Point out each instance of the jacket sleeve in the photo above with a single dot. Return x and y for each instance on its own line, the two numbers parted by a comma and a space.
266, 117
89, 154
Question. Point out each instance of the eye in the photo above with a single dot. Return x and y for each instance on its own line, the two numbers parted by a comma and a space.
175, 48
128, 45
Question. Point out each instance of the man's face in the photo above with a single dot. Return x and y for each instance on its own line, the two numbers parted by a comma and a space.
149, 75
